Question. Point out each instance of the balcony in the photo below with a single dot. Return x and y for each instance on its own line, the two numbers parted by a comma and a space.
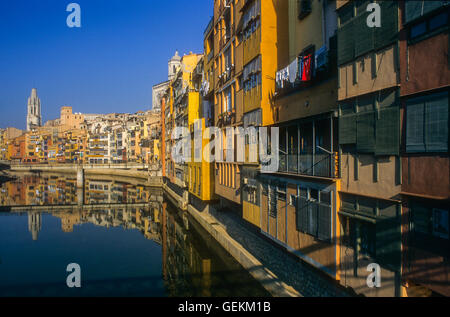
226, 118
309, 147
317, 165
326, 70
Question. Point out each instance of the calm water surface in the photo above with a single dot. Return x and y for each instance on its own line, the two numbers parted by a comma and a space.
136, 245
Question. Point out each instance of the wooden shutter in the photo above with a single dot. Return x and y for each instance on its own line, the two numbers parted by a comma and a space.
421, 218
413, 10
302, 214
415, 126
324, 225
347, 129
387, 98
346, 43
416, 8
436, 123
272, 201
364, 35
365, 132
388, 243
388, 31
388, 132
313, 215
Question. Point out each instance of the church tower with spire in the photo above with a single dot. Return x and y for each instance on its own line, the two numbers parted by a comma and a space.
34, 118
174, 65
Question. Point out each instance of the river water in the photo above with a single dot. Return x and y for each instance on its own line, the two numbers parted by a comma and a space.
128, 240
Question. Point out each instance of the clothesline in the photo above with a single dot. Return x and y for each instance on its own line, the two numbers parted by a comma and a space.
302, 68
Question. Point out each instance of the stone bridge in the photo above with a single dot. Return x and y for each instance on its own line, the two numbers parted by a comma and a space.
152, 171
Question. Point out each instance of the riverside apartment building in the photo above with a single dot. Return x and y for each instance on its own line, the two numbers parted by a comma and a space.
362, 117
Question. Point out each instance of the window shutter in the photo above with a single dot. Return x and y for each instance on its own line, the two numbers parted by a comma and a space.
365, 132
436, 127
413, 10
347, 129
302, 214
272, 201
421, 218
388, 31
346, 43
430, 6
364, 36
324, 233
388, 243
304, 8
388, 132
414, 127
416, 8
387, 99
313, 214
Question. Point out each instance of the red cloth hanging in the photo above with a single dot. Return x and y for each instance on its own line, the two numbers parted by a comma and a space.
307, 68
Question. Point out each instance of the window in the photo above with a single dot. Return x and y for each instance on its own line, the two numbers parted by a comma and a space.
314, 216
356, 39
431, 24
281, 192
228, 101
418, 30
373, 131
416, 9
304, 8
427, 124
252, 74
438, 21
429, 221
251, 20
440, 223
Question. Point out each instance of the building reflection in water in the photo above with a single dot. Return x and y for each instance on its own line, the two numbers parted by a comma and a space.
34, 224
193, 264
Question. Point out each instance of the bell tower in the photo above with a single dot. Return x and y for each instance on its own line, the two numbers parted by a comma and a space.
174, 65
34, 118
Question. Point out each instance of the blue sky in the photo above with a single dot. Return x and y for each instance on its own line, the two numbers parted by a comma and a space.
107, 65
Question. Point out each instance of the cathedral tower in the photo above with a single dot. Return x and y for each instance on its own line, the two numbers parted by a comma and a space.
174, 65
34, 119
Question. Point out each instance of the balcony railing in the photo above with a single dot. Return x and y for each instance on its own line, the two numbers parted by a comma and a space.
325, 70
318, 165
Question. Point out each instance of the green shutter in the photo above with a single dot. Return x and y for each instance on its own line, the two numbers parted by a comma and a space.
324, 226
302, 214
365, 132
436, 123
346, 51
388, 243
387, 33
387, 98
364, 35
388, 132
313, 215
414, 126
347, 129
421, 218
413, 10
430, 6
416, 8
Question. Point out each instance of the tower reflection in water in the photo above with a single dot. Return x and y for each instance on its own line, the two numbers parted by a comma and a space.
193, 264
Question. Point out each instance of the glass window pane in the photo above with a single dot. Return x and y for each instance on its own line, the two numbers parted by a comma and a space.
436, 123
438, 21
440, 223
414, 127
418, 29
